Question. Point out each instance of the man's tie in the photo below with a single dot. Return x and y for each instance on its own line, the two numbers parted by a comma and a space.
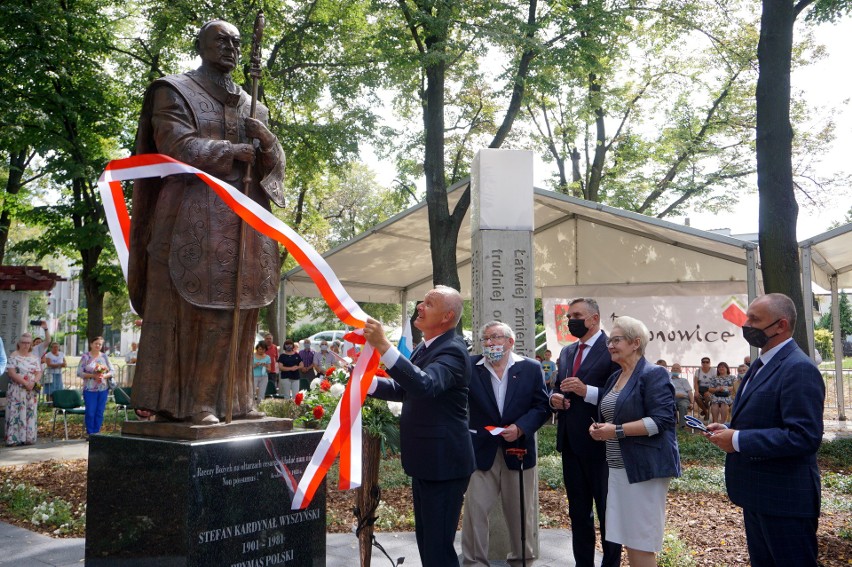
750, 374
578, 360
417, 356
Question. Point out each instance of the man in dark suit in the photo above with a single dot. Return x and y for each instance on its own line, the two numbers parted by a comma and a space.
435, 444
776, 428
507, 391
584, 367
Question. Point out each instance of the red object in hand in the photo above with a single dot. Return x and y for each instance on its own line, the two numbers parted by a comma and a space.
325, 385
380, 372
298, 399
318, 412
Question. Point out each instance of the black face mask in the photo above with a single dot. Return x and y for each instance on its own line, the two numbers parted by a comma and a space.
757, 337
577, 327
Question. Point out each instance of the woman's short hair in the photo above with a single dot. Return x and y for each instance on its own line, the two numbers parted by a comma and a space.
93, 339
18, 342
725, 364
633, 329
260, 344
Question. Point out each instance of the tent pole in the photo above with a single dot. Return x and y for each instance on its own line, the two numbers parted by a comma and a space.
751, 283
282, 311
808, 299
403, 300
838, 349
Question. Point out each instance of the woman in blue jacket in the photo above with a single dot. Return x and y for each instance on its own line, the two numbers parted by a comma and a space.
637, 422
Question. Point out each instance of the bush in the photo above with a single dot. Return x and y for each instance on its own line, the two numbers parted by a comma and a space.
547, 440
306, 330
695, 449
550, 471
700, 479
274, 407
674, 553
836, 454
823, 341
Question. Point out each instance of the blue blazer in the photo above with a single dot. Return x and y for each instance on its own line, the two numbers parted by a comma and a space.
779, 419
573, 429
525, 405
434, 440
648, 393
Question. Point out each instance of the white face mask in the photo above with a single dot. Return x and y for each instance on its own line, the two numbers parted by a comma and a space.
493, 352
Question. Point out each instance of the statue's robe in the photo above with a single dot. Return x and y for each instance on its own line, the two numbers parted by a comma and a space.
184, 249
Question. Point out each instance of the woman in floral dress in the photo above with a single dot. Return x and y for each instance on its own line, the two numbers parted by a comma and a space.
95, 370
24, 370
722, 389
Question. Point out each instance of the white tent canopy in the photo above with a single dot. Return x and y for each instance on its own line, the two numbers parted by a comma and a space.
827, 262
576, 242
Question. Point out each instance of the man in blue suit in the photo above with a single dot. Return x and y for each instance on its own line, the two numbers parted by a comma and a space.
776, 428
584, 368
436, 450
507, 391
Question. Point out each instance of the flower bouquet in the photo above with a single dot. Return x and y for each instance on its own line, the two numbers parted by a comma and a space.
100, 369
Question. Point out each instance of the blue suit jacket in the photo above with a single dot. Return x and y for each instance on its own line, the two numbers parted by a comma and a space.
779, 419
434, 439
648, 393
573, 430
525, 406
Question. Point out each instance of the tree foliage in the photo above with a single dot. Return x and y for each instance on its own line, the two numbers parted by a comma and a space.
826, 320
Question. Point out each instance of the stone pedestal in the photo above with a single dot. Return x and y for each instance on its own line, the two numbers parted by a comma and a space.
503, 286
201, 503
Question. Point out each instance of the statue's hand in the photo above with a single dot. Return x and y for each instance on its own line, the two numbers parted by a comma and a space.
257, 129
243, 152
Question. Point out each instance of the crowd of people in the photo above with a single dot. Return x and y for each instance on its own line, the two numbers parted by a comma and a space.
617, 417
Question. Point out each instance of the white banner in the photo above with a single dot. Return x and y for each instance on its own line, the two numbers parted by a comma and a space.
686, 321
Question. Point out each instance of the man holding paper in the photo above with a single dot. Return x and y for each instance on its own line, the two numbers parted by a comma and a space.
436, 450
508, 404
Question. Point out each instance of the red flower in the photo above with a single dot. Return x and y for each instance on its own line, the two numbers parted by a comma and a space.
330, 371
298, 399
318, 412
380, 372
325, 385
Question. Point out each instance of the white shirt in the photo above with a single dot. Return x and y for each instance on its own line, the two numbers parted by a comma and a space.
499, 383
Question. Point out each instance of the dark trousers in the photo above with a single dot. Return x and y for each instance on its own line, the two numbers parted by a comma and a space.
778, 541
586, 484
437, 508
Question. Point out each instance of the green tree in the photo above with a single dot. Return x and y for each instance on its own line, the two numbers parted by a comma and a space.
53, 53
826, 321
431, 49
779, 211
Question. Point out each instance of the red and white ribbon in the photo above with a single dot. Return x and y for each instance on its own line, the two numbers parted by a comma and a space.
343, 434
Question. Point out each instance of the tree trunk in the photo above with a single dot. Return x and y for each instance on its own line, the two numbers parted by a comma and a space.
779, 250
367, 495
594, 187
14, 183
443, 234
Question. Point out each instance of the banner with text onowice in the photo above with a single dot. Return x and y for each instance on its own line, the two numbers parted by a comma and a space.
686, 321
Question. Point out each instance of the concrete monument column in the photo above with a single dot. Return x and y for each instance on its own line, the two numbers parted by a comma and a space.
503, 286
501, 234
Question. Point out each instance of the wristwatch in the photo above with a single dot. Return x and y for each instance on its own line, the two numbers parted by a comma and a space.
619, 432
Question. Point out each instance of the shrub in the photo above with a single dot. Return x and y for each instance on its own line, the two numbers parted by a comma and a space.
550, 471
823, 341
700, 479
696, 449
306, 330
675, 553
836, 454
